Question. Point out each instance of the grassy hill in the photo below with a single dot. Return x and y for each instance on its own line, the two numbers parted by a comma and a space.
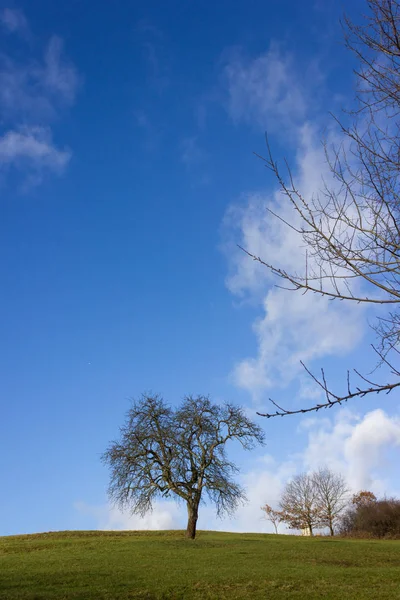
164, 565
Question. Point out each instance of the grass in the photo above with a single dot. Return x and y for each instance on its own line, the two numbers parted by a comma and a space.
164, 565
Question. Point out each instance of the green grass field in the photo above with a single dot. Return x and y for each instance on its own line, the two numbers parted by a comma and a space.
155, 565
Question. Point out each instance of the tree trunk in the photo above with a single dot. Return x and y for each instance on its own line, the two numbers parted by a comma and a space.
193, 513
331, 528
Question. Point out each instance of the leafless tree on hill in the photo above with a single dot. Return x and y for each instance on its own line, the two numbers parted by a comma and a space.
332, 496
180, 453
299, 504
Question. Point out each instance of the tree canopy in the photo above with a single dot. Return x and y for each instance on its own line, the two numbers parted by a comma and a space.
180, 452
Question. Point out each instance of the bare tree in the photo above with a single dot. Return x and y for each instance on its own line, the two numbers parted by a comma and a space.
332, 496
274, 516
163, 452
351, 229
299, 504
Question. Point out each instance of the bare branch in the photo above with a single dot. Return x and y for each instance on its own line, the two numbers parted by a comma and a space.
332, 398
350, 228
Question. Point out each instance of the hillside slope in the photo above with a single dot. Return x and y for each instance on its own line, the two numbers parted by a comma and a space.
164, 565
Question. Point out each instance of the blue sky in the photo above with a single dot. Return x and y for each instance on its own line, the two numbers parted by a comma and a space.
127, 177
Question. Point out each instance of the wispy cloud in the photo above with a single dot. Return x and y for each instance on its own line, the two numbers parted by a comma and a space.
155, 53
34, 91
59, 76
32, 148
268, 90
14, 21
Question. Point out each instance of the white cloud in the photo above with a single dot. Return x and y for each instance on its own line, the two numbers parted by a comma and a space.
21, 92
356, 446
32, 148
268, 90
33, 92
14, 20
293, 326
257, 230
263, 484
165, 515
59, 76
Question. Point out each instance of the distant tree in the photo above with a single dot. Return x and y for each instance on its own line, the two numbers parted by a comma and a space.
163, 452
363, 498
350, 228
274, 516
299, 504
331, 496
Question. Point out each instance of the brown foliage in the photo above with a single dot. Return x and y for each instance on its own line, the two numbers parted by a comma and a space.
275, 516
369, 517
363, 498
